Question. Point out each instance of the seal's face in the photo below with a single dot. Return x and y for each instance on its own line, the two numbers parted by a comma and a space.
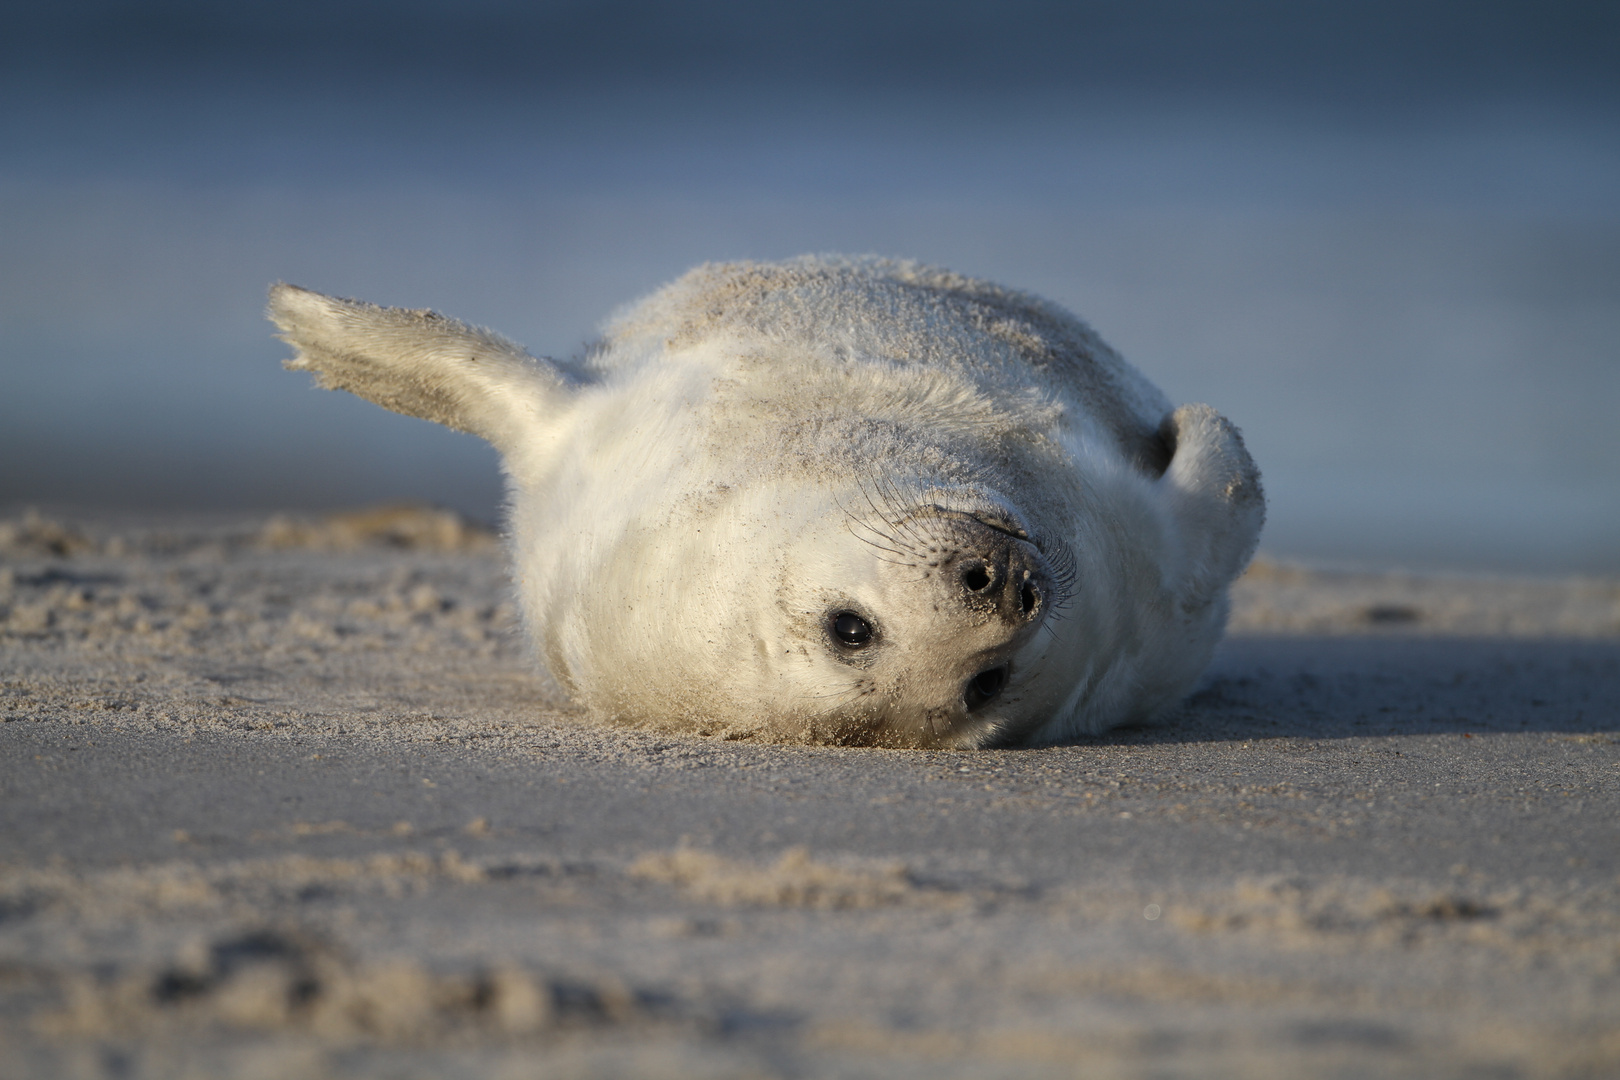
921, 629
789, 613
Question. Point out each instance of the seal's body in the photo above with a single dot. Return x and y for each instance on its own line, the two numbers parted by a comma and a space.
833, 500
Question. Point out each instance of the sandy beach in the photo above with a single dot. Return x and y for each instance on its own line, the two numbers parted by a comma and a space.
285, 797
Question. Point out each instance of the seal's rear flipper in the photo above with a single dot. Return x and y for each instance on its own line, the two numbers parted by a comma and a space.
420, 363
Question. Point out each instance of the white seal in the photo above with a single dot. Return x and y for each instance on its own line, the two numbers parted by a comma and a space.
836, 500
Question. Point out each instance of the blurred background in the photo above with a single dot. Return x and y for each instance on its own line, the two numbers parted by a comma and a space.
1383, 237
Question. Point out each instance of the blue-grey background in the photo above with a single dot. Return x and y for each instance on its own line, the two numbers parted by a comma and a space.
1383, 237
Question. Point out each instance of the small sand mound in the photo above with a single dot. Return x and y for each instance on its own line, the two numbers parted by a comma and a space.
34, 536
269, 980
794, 880
414, 528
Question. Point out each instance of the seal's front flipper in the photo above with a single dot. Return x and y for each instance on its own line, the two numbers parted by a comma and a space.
1214, 495
420, 363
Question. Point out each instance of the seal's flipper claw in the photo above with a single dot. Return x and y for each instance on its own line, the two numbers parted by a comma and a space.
420, 363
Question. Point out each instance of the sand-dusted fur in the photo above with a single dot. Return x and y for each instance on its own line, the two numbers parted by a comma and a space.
837, 500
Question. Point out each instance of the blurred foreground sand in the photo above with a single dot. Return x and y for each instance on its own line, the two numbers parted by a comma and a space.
286, 798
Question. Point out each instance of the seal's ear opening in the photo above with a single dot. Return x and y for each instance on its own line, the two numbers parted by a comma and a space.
1217, 507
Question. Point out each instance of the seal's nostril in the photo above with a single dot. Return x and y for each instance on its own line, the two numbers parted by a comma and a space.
976, 578
984, 686
1029, 597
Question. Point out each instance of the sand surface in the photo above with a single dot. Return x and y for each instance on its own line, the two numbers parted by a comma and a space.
286, 798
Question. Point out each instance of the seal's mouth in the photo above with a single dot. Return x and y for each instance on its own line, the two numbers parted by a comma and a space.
985, 687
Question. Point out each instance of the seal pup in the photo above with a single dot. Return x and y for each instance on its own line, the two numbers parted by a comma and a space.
836, 500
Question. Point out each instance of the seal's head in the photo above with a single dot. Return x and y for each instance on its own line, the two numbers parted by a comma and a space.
855, 616
921, 643
838, 501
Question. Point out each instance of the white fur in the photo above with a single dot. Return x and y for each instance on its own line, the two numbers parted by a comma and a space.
757, 448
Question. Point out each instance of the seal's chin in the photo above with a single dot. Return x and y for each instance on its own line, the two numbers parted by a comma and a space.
982, 505
991, 518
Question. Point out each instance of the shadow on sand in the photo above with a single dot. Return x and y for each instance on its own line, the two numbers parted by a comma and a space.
1335, 687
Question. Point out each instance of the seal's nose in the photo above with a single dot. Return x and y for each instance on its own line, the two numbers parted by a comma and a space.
1007, 578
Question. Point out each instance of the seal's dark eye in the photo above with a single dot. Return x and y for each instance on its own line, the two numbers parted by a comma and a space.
851, 629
